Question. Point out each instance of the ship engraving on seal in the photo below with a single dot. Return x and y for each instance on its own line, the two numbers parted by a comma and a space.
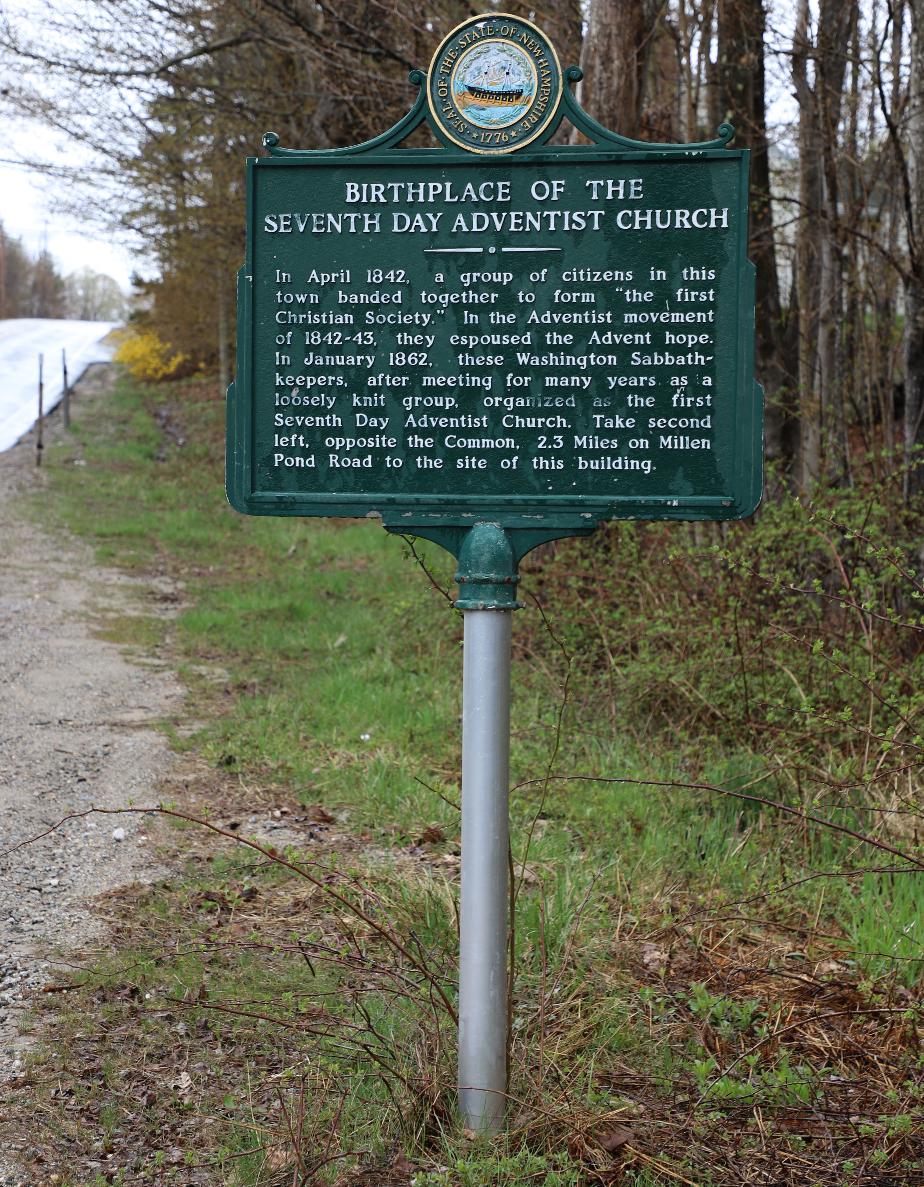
494, 84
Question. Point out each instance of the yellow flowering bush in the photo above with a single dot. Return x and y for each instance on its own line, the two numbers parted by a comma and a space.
146, 356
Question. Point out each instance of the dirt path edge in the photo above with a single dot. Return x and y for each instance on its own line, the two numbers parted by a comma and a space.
77, 729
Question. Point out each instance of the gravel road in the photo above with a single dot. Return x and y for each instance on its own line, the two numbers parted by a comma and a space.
76, 730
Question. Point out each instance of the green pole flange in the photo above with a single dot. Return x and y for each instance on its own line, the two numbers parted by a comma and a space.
487, 575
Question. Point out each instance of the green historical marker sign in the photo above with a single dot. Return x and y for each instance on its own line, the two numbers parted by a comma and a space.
500, 329
494, 343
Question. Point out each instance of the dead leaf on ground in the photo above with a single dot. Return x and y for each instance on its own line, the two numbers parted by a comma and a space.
653, 957
526, 874
431, 835
277, 1157
183, 1086
614, 1139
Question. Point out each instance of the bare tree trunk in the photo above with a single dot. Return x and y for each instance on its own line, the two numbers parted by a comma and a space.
807, 267
706, 91
819, 245
686, 90
882, 374
739, 74
615, 61
851, 379
914, 283
837, 20
224, 336
562, 20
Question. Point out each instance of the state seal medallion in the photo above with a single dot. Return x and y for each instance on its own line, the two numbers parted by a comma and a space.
494, 84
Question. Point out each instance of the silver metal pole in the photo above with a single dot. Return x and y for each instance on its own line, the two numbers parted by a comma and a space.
485, 843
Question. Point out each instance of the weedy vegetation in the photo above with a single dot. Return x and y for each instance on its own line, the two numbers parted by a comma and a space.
716, 859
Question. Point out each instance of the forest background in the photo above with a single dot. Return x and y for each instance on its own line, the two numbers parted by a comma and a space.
718, 811
35, 287
168, 98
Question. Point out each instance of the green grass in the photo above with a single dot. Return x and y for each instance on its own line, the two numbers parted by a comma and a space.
349, 664
340, 684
